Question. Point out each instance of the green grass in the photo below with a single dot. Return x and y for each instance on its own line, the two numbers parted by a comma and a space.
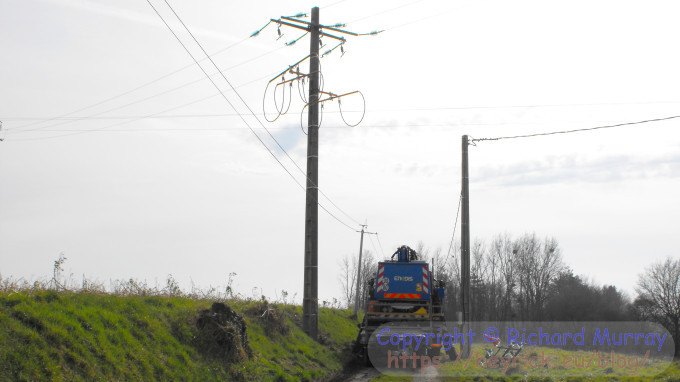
45, 335
652, 371
574, 370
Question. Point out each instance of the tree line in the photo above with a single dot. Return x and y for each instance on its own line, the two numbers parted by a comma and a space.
525, 278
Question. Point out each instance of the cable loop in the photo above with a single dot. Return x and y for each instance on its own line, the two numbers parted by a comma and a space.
363, 114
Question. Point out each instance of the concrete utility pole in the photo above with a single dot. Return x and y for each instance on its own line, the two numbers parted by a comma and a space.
310, 301
465, 246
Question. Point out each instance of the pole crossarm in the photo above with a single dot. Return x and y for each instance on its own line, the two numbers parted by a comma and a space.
332, 96
289, 68
340, 30
300, 75
333, 37
292, 18
335, 28
305, 25
278, 21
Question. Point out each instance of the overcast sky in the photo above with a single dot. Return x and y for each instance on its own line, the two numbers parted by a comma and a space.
134, 168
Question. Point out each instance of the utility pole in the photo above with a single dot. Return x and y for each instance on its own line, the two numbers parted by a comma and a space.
310, 302
361, 247
465, 246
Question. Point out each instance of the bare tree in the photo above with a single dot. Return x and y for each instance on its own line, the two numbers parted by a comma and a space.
479, 272
422, 251
438, 265
369, 270
348, 278
658, 299
452, 279
538, 265
502, 251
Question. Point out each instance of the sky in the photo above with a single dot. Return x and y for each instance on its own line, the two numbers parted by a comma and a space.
120, 154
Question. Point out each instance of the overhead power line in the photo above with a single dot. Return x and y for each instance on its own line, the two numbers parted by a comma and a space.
131, 119
383, 12
475, 140
395, 110
372, 244
131, 90
333, 4
242, 100
106, 128
455, 224
258, 120
67, 121
377, 236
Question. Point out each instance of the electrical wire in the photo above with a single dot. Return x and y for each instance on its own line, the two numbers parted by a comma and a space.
455, 224
131, 90
135, 119
333, 4
475, 140
301, 91
142, 99
356, 111
264, 100
377, 235
372, 244
223, 96
297, 39
362, 115
385, 11
160, 116
283, 102
300, 77
417, 20
243, 101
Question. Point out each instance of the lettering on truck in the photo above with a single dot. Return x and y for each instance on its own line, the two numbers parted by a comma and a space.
403, 278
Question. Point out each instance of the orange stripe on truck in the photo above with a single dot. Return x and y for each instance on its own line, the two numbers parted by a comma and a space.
402, 295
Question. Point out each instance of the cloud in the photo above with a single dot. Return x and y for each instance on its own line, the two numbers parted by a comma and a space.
571, 168
289, 139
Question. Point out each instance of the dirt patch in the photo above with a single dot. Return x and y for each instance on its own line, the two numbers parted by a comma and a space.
222, 334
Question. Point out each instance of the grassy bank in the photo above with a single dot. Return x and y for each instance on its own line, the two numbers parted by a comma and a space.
45, 335
472, 370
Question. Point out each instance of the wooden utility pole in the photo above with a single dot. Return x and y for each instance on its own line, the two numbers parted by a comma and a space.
357, 298
361, 248
310, 301
465, 245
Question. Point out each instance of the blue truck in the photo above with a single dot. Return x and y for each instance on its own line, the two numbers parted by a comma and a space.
403, 293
